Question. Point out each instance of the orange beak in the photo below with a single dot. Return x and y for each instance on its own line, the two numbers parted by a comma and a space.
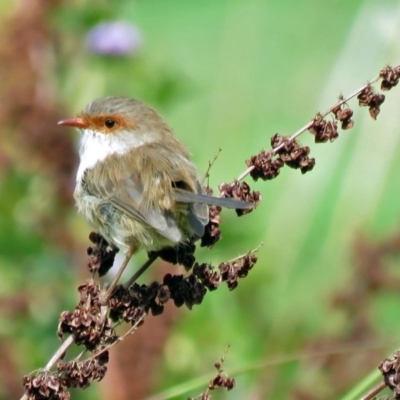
76, 122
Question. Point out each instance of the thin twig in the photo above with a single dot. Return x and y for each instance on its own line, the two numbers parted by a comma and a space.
60, 352
141, 270
118, 276
120, 338
56, 357
373, 392
246, 254
210, 164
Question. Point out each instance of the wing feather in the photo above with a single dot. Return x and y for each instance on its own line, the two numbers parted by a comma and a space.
154, 205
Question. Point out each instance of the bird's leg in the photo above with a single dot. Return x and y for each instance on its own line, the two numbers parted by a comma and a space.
121, 270
141, 270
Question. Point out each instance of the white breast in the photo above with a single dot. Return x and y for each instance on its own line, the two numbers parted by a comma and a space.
95, 147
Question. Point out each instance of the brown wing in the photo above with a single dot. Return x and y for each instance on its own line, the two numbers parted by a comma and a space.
143, 186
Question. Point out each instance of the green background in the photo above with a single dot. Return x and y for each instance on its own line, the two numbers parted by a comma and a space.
229, 75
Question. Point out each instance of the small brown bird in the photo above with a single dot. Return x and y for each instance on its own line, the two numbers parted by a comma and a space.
135, 183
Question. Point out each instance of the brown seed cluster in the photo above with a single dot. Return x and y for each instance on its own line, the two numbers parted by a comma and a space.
323, 130
265, 167
46, 385
86, 323
209, 276
81, 374
292, 153
182, 254
240, 191
131, 304
220, 380
368, 98
55, 386
186, 290
101, 255
343, 114
212, 233
390, 77
390, 369
190, 289
228, 272
232, 271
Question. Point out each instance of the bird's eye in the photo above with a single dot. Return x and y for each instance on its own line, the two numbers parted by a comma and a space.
109, 123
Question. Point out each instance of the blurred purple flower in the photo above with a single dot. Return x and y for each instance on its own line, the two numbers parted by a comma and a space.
114, 39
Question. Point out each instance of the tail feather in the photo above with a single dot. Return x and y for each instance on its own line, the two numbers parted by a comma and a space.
188, 197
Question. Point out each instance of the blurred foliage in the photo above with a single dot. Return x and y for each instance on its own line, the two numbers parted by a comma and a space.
230, 74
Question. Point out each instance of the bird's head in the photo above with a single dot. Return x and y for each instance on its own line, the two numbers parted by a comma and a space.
121, 120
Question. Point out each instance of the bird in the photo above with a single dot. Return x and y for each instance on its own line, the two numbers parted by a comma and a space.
135, 182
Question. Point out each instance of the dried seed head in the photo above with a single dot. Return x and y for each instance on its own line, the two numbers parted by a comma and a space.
221, 381
101, 256
45, 386
131, 304
89, 330
89, 294
343, 114
264, 166
390, 77
185, 290
212, 233
292, 153
240, 191
390, 369
182, 254
239, 268
323, 130
81, 374
163, 294
368, 98
210, 277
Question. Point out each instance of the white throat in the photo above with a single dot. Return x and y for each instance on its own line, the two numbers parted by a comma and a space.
95, 147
